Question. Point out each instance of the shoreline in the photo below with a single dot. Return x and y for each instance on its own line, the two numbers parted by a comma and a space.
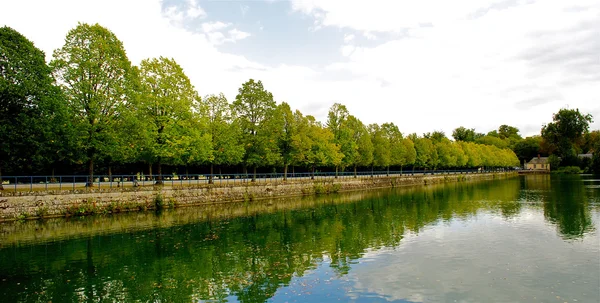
82, 203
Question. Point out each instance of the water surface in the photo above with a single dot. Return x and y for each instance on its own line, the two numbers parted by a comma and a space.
527, 239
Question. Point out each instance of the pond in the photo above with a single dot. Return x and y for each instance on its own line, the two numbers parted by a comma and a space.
524, 239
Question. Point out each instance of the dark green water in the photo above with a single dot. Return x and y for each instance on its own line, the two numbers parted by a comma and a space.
526, 239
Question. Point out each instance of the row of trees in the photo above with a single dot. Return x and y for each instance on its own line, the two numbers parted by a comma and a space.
90, 105
563, 140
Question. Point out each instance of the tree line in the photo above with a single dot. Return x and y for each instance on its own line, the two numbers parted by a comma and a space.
90, 108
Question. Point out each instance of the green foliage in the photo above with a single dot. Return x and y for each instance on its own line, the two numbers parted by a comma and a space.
554, 162
528, 148
569, 170
254, 108
224, 133
464, 134
34, 125
566, 132
159, 202
95, 75
166, 106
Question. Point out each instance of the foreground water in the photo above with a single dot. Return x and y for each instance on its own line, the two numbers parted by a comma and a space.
527, 239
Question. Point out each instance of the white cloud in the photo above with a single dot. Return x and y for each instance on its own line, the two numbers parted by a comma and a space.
208, 27
472, 63
469, 62
194, 10
236, 34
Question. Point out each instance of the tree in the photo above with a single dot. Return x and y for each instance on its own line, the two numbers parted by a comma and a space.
313, 145
396, 144
337, 122
464, 134
362, 138
492, 140
381, 153
566, 132
287, 127
528, 148
34, 122
168, 97
94, 72
225, 134
506, 132
410, 154
254, 107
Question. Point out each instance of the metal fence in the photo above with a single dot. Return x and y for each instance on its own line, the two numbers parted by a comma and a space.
75, 182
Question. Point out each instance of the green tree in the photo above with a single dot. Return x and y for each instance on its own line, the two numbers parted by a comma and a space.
313, 145
381, 153
167, 101
528, 148
225, 134
396, 144
464, 134
362, 138
566, 132
410, 154
337, 122
492, 140
255, 108
34, 122
287, 127
94, 72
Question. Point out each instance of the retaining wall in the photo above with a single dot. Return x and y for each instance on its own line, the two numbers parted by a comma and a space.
56, 204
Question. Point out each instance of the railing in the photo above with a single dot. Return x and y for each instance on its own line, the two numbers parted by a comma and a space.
74, 182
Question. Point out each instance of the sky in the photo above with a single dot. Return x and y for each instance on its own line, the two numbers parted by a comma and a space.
425, 65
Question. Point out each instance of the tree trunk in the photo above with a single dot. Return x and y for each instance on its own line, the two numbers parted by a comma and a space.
400, 170
109, 173
210, 178
354, 171
254, 173
52, 179
90, 181
149, 171
312, 176
159, 180
285, 170
388, 171
1, 186
336, 171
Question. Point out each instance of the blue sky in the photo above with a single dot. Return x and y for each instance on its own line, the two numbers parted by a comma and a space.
425, 65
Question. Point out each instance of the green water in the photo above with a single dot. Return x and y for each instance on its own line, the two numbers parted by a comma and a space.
526, 239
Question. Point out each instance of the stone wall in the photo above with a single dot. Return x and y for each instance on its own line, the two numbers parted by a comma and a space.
56, 204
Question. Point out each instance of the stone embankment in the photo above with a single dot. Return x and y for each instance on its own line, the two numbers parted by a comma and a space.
56, 204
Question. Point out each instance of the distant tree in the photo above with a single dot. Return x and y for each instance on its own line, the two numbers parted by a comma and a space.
493, 140
566, 132
94, 72
313, 145
362, 138
337, 122
464, 134
225, 134
410, 154
254, 108
506, 131
288, 128
167, 103
381, 143
33, 119
436, 136
528, 148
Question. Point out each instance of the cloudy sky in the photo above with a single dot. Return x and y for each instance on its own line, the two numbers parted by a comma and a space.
423, 64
